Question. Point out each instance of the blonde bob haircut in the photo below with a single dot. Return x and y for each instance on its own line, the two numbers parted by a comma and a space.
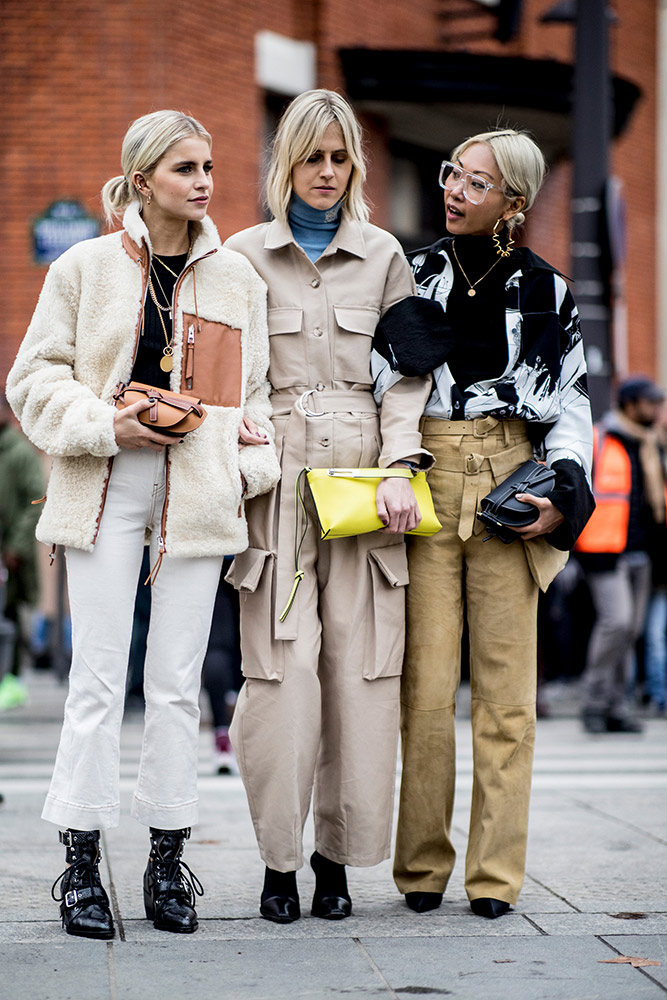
299, 135
520, 161
145, 143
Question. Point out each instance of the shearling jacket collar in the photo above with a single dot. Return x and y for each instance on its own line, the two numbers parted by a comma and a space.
137, 242
349, 237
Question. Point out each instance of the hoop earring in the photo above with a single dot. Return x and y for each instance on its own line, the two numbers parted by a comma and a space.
500, 252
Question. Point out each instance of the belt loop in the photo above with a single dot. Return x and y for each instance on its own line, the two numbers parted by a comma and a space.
506, 432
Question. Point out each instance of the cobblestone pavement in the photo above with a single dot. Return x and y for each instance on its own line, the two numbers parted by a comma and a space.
596, 889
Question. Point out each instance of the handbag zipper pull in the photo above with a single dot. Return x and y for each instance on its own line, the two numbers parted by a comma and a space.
190, 357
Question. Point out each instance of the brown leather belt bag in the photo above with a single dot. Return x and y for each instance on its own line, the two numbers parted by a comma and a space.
170, 413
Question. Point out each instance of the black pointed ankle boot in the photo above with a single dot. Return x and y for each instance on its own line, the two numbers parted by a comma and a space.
487, 906
331, 900
84, 905
169, 884
279, 901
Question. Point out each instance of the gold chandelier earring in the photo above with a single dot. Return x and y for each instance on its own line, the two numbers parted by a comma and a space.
500, 250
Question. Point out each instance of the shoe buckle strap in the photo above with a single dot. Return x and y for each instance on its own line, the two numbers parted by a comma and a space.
74, 896
65, 837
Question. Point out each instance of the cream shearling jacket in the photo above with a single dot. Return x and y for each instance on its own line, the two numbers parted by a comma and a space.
82, 341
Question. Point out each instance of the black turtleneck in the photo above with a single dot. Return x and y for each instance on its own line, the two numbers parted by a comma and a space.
478, 321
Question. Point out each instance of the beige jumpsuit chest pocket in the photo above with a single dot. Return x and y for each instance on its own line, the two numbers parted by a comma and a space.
286, 364
251, 574
212, 364
388, 568
355, 326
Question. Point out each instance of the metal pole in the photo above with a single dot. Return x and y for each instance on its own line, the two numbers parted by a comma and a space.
591, 137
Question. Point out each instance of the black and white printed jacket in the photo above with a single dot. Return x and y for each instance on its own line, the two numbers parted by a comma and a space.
544, 382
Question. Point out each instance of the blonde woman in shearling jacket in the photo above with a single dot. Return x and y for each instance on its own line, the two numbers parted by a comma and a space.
318, 715
159, 302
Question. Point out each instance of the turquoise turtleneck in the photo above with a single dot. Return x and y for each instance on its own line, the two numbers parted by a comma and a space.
313, 228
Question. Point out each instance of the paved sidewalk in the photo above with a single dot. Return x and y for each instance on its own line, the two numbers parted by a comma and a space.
596, 890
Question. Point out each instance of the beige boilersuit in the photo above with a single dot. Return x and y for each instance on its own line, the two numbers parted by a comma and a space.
319, 711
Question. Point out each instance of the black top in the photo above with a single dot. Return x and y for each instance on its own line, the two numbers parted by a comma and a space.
478, 322
152, 340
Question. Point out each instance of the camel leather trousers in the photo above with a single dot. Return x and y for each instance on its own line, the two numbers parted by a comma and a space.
453, 572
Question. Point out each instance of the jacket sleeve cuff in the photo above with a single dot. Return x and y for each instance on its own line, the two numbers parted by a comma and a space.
258, 463
572, 497
401, 452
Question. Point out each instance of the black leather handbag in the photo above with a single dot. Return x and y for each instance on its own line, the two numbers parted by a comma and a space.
500, 510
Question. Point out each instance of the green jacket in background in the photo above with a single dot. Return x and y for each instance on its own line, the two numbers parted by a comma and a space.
21, 482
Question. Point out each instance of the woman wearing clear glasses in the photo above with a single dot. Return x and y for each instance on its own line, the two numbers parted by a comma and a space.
511, 386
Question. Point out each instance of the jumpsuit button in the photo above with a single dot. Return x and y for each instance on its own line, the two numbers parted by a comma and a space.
325, 442
315, 282
457, 405
317, 331
320, 386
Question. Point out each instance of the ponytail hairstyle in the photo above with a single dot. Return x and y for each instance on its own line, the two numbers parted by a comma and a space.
298, 136
145, 143
520, 161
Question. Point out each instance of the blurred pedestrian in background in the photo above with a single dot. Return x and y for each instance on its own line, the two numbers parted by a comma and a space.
510, 385
159, 302
21, 483
615, 550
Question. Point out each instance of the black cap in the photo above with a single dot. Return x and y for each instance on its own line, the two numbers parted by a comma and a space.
639, 387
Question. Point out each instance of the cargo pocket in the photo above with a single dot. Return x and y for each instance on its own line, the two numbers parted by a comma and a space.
355, 326
251, 574
286, 367
388, 568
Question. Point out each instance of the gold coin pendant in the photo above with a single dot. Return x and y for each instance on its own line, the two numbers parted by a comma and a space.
471, 292
166, 363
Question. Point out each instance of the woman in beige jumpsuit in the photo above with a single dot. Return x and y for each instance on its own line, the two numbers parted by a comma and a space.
318, 715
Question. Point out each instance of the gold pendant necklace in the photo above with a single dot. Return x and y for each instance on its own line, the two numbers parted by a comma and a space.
471, 289
167, 359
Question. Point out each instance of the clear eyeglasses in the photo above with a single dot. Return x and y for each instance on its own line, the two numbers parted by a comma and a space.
474, 186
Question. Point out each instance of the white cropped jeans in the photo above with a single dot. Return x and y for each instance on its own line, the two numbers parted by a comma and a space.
102, 584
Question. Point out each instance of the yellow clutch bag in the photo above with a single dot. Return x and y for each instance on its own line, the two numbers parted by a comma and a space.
345, 500
345, 503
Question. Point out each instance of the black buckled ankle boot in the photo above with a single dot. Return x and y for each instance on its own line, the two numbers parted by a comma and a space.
84, 905
169, 893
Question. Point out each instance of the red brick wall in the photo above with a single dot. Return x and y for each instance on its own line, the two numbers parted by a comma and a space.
76, 72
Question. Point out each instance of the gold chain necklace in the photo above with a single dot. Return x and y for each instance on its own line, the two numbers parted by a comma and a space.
167, 359
160, 261
471, 289
151, 289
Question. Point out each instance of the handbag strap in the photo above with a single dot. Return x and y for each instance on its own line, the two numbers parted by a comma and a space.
299, 507
176, 400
